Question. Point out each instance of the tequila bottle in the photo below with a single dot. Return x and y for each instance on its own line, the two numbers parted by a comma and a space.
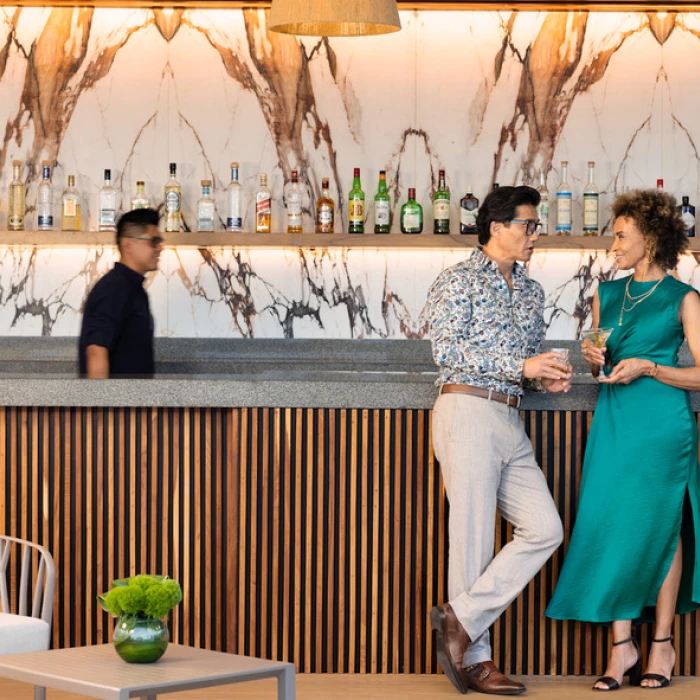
564, 213
16, 208
591, 203
140, 200
411, 214
173, 201
441, 206
234, 216
263, 206
205, 208
44, 206
382, 206
70, 207
356, 205
108, 204
468, 211
294, 204
543, 206
325, 210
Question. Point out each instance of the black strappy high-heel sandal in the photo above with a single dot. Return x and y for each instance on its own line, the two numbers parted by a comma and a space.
634, 672
664, 682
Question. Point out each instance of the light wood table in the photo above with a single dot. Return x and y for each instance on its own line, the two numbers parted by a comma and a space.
98, 672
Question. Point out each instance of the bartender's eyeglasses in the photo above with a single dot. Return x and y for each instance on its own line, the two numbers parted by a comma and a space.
533, 226
155, 241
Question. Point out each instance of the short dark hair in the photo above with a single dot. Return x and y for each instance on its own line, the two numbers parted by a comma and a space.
501, 206
657, 217
135, 222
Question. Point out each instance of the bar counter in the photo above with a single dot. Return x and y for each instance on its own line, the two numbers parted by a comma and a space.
289, 485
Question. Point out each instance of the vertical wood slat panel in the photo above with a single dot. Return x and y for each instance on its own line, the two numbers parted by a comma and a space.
342, 521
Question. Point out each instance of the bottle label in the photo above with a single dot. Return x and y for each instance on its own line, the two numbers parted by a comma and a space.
467, 217
563, 211
234, 222
172, 200
45, 220
69, 207
381, 213
441, 209
356, 211
16, 220
325, 215
411, 220
107, 217
688, 220
543, 215
590, 212
294, 219
263, 204
46, 172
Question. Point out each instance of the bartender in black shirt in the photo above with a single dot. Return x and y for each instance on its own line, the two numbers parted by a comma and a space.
117, 334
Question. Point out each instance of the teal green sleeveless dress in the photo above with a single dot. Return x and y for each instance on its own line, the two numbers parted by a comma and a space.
639, 486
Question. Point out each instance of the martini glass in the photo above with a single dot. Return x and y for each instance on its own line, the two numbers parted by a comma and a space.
599, 337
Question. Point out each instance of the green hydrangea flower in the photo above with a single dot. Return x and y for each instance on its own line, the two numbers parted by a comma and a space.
145, 595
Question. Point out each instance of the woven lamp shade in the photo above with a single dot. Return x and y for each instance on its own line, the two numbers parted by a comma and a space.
334, 17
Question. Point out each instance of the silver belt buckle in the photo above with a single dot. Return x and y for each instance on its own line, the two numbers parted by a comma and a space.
490, 395
517, 398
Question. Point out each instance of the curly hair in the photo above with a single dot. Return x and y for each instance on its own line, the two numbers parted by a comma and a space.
658, 220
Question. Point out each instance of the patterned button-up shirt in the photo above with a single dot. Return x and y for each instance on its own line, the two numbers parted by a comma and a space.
481, 332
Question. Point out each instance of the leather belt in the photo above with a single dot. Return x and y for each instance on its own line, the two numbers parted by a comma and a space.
488, 394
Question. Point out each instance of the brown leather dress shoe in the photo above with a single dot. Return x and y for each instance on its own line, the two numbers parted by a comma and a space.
484, 677
452, 642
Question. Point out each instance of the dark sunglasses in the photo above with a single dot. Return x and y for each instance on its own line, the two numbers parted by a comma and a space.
155, 241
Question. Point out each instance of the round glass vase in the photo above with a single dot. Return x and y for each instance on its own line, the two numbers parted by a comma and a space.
140, 640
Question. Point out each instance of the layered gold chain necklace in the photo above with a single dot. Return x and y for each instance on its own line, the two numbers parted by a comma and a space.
633, 301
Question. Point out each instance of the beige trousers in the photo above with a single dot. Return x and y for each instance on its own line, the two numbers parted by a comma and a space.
487, 462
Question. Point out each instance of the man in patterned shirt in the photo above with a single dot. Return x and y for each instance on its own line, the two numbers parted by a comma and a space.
486, 326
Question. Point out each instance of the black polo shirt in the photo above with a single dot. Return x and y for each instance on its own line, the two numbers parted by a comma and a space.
117, 317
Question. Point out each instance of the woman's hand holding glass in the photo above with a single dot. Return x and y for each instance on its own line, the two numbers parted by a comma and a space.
592, 354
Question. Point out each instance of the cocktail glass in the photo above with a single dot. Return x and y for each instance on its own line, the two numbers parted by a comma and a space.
599, 337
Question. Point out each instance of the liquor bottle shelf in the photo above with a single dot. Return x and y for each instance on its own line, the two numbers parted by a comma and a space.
424, 241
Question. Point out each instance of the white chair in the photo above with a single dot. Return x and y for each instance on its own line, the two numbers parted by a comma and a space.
25, 630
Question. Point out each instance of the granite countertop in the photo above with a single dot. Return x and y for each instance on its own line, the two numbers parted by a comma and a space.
255, 373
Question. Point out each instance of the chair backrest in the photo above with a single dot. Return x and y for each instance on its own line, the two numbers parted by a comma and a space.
23, 573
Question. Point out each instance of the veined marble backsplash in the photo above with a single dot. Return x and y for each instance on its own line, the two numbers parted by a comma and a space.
489, 96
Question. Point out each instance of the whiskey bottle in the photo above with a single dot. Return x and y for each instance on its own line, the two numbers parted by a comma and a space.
411, 214
441, 206
263, 206
44, 205
108, 204
687, 211
205, 208
356, 205
543, 206
294, 205
173, 201
591, 202
382, 206
70, 207
564, 213
325, 210
234, 217
140, 200
468, 211
16, 208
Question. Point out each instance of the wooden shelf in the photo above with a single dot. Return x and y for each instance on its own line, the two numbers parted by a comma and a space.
423, 241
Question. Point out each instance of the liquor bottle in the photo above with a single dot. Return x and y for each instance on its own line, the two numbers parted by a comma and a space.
234, 217
441, 207
140, 200
468, 211
356, 205
411, 214
591, 201
294, 204
382, 206
687, 211
543, 206
263, 206
205, 208
660, 185
70, 207
108, 204
16, 208
495, 186
564, 214
173, 201
325, 210
44, 205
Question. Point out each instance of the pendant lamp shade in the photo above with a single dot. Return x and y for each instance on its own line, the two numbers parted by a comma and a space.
334, 17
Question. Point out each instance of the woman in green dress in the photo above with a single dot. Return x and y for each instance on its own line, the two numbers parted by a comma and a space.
633, 550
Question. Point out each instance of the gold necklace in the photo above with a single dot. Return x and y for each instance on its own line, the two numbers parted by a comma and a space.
634, 300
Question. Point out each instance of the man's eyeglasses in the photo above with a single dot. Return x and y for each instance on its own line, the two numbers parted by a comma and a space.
155, 241
532, 226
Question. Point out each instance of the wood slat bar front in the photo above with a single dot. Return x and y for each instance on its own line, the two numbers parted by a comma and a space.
316, 536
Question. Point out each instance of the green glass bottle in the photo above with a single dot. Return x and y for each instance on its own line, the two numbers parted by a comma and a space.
382, 206
441, 207
411, 214
356, 205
